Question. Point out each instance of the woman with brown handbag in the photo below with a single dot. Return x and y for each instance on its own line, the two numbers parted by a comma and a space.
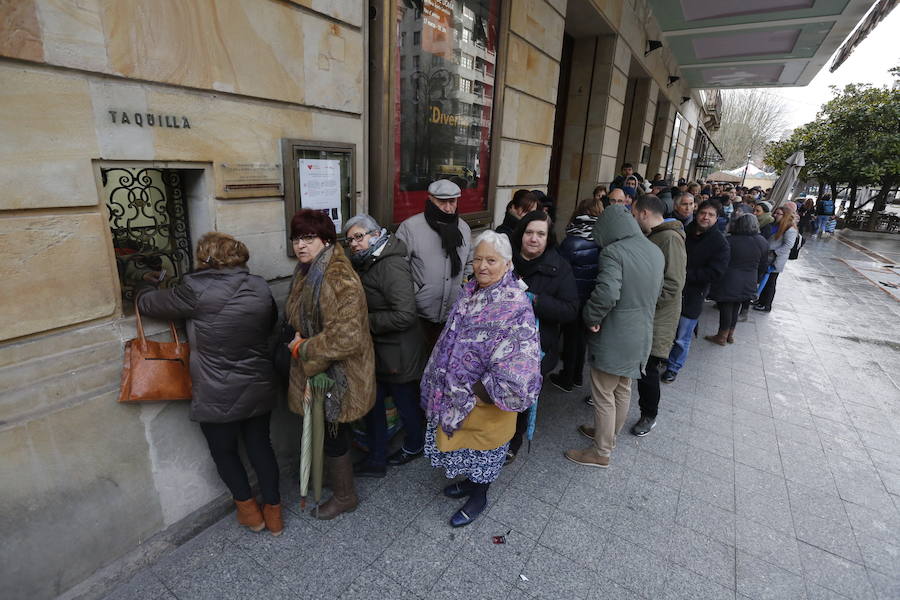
230, 314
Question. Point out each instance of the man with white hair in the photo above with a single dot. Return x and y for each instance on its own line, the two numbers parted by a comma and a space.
440, 247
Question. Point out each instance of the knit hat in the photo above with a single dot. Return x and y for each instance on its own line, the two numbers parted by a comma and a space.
766, 206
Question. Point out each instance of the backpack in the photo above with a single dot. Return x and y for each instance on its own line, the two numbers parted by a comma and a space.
795, 251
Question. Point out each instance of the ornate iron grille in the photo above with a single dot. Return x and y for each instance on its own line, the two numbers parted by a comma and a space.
148, 219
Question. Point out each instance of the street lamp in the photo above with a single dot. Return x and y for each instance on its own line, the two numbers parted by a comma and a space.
747, 166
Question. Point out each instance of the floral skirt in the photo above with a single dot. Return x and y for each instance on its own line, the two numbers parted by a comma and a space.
480, 466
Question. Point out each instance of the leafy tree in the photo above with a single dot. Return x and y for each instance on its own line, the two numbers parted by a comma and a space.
855, 140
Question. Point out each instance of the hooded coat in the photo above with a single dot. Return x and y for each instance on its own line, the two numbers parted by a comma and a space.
230, 314
707, 261
624, 299
669, 238
399, 344
344, 337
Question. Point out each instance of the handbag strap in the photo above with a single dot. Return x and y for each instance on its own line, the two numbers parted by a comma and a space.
140, 325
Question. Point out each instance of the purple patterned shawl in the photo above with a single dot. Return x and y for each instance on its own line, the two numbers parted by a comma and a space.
491, 335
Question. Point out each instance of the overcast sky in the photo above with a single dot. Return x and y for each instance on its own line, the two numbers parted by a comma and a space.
868, 63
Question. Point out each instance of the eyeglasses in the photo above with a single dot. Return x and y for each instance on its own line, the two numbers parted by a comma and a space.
359, 236
307, 238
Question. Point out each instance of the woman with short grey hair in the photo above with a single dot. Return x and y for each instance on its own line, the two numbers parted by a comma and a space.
380, 259
485, 368
748, 263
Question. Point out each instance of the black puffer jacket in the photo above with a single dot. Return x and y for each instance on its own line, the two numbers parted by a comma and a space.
555, 304
230, 314
748, 262
582, 255
399, 343
707, 261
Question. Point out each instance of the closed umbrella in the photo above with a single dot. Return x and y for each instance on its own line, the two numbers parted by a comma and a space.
313, 442
785, 183
305, 447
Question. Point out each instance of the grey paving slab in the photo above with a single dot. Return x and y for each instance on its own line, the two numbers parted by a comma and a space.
774, 472
764, 581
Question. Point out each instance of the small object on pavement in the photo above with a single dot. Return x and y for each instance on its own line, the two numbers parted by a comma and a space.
499, 539
523, 577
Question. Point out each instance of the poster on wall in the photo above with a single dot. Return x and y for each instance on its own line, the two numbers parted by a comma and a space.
320, 187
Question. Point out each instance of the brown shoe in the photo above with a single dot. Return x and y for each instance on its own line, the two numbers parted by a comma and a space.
586, 431
719, 338
248, 514
344, 498
587, 457
272, 517
730, 337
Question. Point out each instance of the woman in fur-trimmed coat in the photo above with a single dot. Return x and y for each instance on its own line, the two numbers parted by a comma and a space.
327, 308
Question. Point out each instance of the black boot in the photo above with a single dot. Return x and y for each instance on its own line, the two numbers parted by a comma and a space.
473, 507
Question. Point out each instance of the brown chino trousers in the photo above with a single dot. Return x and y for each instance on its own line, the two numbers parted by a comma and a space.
611, 395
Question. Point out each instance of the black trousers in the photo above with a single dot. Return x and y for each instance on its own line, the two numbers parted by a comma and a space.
768, 292
573, 351
337, 439
648, 388
222, 439
728, 315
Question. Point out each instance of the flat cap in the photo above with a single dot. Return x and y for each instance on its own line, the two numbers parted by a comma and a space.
444, 189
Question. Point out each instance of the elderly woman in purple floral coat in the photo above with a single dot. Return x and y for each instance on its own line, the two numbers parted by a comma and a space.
485, 368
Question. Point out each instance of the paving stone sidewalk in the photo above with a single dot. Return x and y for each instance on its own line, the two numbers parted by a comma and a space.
774, 472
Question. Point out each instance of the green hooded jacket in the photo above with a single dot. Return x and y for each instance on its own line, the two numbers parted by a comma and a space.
624, 299
668, 237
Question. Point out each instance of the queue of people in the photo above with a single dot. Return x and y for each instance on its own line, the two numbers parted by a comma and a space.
463, 335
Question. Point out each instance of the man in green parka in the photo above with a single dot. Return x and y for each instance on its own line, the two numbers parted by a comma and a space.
668, 235
620, 315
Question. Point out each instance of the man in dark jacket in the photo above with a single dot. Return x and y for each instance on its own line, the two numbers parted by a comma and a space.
668, 235
627, 171
619, 314
707, 261
684, 208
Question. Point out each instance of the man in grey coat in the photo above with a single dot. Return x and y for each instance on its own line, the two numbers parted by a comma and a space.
619, 314
440, 247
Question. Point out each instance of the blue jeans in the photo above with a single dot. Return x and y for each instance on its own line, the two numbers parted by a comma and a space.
682, 344
821, 221
406, 399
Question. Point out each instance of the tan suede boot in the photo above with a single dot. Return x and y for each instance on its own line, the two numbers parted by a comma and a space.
272, 517
719, 338
344, 497
249, 515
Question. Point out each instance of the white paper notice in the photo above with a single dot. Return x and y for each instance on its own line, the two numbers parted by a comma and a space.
320, 187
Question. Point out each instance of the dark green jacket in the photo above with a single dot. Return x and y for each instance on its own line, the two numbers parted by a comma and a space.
624, 299
668, 237
399, 344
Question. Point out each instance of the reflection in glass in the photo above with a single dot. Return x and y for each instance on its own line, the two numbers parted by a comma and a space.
445, 96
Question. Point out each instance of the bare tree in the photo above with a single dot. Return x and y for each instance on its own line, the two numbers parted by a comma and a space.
750, 119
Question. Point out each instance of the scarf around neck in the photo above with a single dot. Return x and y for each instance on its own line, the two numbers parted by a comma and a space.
582, 226
447, 227
361, 258
305, 309
524, 267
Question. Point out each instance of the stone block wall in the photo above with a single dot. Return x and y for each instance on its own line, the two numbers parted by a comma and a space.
533, 51
84, 479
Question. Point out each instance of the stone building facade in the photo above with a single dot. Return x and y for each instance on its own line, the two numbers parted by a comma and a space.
194, 106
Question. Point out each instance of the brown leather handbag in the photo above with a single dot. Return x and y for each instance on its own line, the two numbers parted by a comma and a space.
155, 371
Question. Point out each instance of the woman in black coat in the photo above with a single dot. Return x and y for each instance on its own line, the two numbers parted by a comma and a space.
552, 287
381, 261
582, 254
746, 266
230, 315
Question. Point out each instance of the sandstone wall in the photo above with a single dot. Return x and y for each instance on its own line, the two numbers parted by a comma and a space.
83, 479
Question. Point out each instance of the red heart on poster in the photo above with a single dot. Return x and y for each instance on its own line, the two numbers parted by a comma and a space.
309, 167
